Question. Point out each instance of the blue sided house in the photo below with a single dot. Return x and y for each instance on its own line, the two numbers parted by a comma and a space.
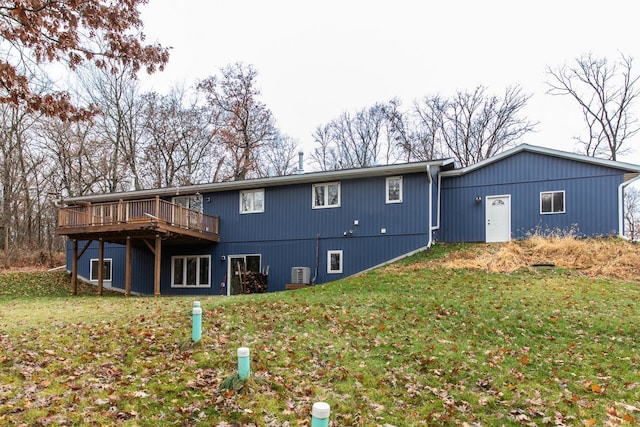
311, 228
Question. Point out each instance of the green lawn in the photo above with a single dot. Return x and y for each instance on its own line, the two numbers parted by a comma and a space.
405, 345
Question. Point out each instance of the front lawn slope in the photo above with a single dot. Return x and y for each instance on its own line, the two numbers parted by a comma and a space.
410, 344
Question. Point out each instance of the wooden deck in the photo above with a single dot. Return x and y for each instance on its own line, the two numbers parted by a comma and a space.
150, 223
117, 221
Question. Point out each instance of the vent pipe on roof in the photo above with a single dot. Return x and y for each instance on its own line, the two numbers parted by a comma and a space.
300, 162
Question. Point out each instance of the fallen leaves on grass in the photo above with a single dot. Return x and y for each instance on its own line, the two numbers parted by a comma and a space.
398, 347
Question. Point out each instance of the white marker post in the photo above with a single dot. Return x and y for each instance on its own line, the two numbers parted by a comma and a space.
320, 414
244, 368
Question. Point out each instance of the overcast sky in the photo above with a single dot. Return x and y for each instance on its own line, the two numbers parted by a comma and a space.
317, 59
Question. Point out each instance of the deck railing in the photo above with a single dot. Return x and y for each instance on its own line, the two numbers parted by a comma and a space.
136, 211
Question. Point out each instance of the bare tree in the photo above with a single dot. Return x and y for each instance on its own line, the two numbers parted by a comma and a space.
116, 96
355, 140
324, 154
78, 162
241, 123
424, 140
44, 184
399, 133
278, 156
470, 126
605, 93
476, 125
16, 168
178, 147
358, 136
632, 213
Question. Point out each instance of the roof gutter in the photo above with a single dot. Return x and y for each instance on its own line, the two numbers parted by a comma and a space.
305, 178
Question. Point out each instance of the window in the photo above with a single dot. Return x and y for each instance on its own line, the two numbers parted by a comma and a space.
394, 189
334, 262
191, 271
106, 270
189, 202
552, 202
252, 201
326, 195
189, 213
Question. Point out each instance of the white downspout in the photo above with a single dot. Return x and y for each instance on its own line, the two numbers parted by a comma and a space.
430, 207
437, 226
621, 205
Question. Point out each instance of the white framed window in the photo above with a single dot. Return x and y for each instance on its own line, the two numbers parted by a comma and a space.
394, 189
552, 202
326, 195
191, 271
189, 211
252, 201
334, 262
193, 202
106, 270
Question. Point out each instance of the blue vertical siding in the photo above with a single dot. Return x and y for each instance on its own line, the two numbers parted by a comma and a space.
290, 232
142, 260
591, 199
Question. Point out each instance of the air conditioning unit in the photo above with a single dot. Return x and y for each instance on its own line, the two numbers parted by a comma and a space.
301, 275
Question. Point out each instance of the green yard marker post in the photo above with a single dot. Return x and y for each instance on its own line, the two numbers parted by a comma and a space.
243, 363
196, 322
320, 414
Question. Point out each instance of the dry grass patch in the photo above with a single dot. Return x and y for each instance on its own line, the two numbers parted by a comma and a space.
30, 260
593, 257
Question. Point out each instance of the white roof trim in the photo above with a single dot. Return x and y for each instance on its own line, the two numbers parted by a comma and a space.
306, 178
635, 169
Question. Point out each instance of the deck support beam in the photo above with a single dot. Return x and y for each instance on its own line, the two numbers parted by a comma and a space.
156, 276
156, 250
74, 268
75, 256
127, 268
100, 266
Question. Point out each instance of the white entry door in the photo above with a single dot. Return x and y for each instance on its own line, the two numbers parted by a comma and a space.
498, 213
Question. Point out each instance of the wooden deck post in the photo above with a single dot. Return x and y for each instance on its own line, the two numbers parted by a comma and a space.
90, 213
158, 259
74, 268
127, 268
120, 213
100, 266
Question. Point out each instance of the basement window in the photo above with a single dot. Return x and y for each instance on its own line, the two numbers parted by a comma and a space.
334, 262
191, 271
552, 202
326, 195
106, 270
